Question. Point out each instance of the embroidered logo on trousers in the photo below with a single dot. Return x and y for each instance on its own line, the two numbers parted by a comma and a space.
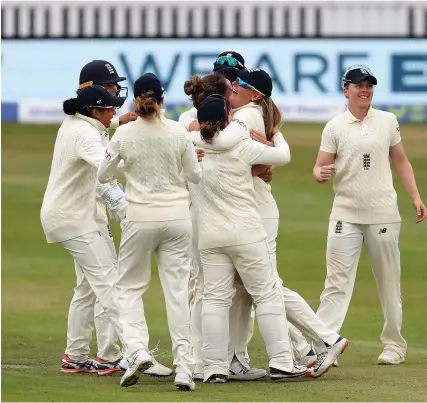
338, 227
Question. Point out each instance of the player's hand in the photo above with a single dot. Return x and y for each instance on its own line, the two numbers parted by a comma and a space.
127, 117
258, 170
194, 126
324, 173
258, 136
267, 176
420, 208
200, 154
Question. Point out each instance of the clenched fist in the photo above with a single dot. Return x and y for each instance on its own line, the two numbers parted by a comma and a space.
323, 173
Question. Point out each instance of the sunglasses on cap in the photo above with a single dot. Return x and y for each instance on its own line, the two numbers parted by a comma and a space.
105, 108
231, 61
247, 86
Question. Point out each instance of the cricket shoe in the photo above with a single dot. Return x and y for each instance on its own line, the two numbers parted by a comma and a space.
298, 371
390, 357
198, 376
156, 369
240, 373
309, 360
326, 359
109, 367
86, 366
217, 378
184, 382
140, 361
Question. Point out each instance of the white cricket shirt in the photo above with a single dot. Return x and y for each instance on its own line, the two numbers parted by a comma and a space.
251, 117
158, 160
363, 183
224, 200
68, 208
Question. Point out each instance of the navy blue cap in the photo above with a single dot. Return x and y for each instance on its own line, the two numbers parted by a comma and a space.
149, 82
259, 79
99, 72
214, 108
97, 96
358, 73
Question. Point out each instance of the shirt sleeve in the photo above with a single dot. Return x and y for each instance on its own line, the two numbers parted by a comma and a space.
89, 147
190, 165
254, 153
280, 142
115, 123
328, 142
395, 132
188, 117
109, 165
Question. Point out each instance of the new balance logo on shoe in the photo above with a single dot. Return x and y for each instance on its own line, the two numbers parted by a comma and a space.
382, 231
338, 227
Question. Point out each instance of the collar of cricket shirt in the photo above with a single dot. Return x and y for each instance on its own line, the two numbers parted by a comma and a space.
95, 123
249, 105
352, 118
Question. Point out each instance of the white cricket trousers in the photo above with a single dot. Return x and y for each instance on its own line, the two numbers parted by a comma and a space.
106, 336
253, 264
96, 273
342, 258
299, 313
171, 242
195, 299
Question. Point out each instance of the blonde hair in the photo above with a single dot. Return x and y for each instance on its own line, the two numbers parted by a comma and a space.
272, 117
146, 106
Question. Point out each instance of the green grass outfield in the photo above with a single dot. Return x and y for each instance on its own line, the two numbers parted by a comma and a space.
38, 281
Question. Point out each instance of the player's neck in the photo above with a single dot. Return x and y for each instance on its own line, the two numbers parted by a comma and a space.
359, 112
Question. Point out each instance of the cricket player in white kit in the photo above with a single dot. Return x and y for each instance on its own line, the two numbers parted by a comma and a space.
102, 72
68, 217
158, 160
198, 89
232, 241
359, 145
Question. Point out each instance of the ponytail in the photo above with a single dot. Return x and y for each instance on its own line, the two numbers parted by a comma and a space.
208, 130
272, 117
146, 106
70, 106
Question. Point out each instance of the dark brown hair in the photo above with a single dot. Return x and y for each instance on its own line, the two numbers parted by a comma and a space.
146, 106
200, 88
209, 129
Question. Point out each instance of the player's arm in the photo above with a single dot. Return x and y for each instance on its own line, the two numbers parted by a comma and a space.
189, 120
256, 153
89, 147
108, 167
405, 172
122, 120
190, 164
324, 165
233, 134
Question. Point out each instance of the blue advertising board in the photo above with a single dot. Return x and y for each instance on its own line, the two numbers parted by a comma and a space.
303, 70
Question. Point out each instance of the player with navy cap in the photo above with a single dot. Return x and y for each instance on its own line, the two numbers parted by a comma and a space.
229, 247
68, 217
102, 72
158, 160
359, 147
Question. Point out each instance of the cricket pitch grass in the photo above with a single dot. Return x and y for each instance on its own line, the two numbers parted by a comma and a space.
38, 281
